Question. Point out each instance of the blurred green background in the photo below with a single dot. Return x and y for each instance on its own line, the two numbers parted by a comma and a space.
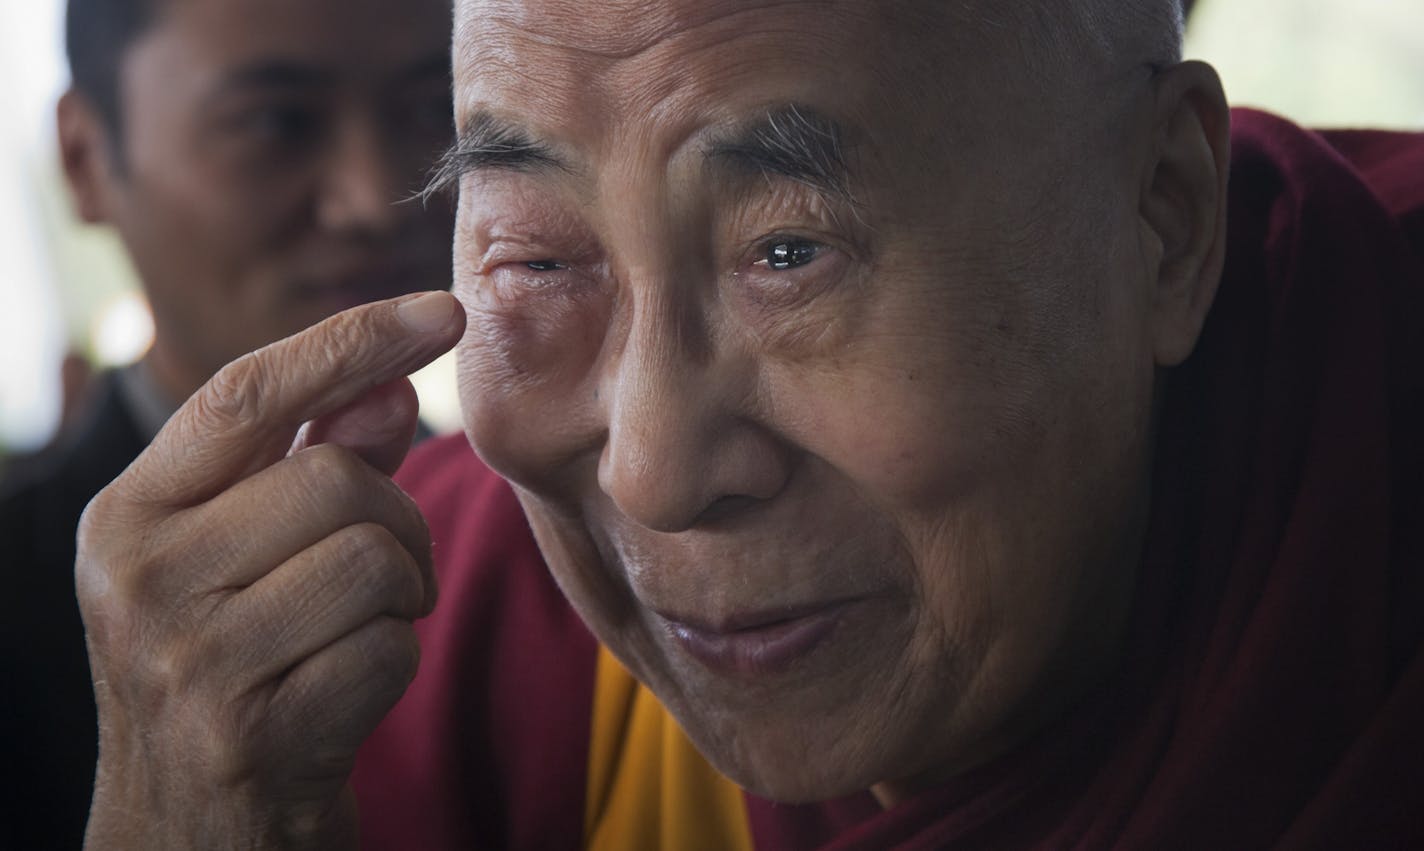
69, 288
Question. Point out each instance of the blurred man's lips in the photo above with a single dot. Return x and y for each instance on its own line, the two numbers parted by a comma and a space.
359, 285
380, 281
760, 643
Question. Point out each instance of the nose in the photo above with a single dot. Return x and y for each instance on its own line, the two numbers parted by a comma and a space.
359, 194
684, 445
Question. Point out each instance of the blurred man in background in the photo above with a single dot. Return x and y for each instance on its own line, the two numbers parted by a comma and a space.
255, 158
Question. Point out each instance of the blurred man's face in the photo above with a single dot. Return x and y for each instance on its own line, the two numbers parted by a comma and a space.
267, 146
814, 337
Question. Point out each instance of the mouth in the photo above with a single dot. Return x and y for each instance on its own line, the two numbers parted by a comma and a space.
757, 644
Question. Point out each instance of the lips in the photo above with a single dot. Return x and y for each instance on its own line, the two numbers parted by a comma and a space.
364, 287
349, 283
757, 644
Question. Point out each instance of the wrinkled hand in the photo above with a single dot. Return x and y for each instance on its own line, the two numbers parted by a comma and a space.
248, 599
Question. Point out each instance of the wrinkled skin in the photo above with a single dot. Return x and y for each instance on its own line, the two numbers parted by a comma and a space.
926, 440
262, 172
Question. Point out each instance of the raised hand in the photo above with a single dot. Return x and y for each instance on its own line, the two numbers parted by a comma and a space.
248, 597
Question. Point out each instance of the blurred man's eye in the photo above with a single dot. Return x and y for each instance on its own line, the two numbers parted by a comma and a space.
438, 112
424, 116
282, 124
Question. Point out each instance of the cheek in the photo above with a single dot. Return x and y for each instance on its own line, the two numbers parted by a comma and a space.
913, 433
525, 373
598, 594
212, 241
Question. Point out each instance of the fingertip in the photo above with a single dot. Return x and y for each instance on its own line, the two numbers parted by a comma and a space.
429, 313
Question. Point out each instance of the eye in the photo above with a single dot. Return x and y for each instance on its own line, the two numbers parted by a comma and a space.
545, 265
783, 271
423, 115
784, 254
283, 124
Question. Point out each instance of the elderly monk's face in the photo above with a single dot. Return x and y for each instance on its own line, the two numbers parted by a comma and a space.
815, 338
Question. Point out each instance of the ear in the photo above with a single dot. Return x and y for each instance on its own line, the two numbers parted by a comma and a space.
1183, 209
86, 153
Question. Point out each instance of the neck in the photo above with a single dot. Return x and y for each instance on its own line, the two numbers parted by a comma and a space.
175, 376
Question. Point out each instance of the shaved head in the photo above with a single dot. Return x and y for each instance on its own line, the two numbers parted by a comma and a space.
1106, 31
1112, 31
1096, 37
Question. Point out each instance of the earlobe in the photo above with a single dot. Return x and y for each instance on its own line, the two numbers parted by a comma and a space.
1183, 208
85, 154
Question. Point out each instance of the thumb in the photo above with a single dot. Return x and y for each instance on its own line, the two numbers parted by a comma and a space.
379, 426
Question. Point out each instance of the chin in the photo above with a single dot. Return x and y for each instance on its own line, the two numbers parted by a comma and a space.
792, 757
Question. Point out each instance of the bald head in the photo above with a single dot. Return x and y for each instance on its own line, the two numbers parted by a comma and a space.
1101, 37
1146, 31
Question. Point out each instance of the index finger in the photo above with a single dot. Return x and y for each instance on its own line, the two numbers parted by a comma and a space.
243, 420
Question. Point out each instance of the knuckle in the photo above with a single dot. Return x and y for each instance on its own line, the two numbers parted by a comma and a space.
166, 666
223, 744
113, 589
407, 521
391, 649
97, 512
100, 541
352, 331
333, 342
413, 515
366, 546
138, 625
373, 561
236, 392
328, 467
313, 823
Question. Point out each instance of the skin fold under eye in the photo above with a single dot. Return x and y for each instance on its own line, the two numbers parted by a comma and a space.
519, 279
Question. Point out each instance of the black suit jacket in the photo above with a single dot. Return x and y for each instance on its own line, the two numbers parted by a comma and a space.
48, 726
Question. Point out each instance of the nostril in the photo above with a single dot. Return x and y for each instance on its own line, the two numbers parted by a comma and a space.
725, 508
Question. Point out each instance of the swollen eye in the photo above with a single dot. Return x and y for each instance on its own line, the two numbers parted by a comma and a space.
789, 255
545, 265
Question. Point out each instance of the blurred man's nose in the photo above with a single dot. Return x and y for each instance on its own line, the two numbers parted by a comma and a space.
682, 446
364, 181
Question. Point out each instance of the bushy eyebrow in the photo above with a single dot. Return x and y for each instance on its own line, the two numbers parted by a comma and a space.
793, 142
488, 143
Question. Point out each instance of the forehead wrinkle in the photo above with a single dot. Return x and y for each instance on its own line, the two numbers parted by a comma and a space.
549, 67
568, 75
496, 66
655, 100
621, 29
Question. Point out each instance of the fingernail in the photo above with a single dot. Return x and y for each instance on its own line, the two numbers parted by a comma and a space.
426, 313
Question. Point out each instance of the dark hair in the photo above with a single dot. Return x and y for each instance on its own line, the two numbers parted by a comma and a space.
96, 35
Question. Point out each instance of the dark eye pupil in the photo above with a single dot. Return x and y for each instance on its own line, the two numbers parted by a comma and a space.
544, 266
788, 255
